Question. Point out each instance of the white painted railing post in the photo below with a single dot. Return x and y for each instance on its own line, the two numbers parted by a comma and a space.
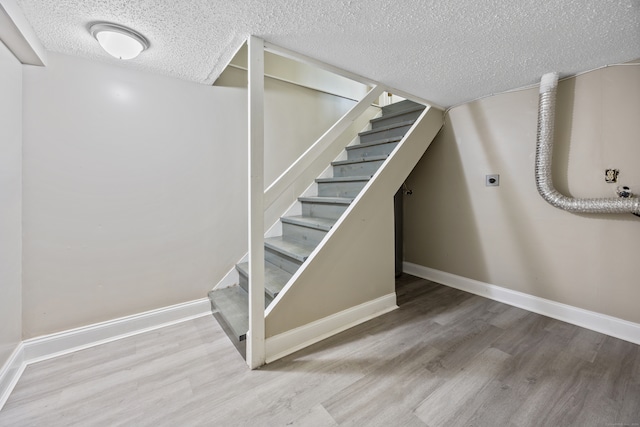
256, 336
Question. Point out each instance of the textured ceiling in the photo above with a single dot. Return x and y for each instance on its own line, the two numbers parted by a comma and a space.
446, 51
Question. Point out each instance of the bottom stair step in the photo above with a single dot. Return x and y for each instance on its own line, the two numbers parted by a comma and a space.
232, 305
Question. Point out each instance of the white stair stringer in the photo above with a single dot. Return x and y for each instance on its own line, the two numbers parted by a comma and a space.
350, 276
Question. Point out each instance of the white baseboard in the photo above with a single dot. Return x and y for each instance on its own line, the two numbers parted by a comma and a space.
291, 341
60, 343
602, 323
10, 373
49, 346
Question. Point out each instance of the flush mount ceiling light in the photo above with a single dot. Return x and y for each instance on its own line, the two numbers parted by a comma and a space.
119, 42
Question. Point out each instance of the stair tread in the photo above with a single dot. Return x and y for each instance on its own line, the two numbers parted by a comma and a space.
399, 106
233, 305
330, 200
360, 160
387, 127
274, 277
345, 178
296, 250
376, 142
387, 116
324, 224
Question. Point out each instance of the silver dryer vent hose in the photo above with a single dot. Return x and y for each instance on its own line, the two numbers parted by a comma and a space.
544, 150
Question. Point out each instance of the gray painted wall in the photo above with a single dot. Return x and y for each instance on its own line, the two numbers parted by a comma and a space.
508, 235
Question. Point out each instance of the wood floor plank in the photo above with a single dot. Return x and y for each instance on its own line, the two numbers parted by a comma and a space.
520, 377
457, 399
560, 398
509, 317
388, 393
524, 335
317, 416
619, 386
444, 358
465, 307
586, 344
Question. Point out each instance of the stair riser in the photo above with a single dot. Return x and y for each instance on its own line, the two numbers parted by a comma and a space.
225, 307
302, 234
244, 284
412, 115
390, 133
357, 169
323, 210
374, 150
340, 189
282, 261
240, 345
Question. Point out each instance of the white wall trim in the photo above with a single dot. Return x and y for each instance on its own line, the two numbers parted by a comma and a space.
612, 326
291, 341
58, 344
11, 372
61, 343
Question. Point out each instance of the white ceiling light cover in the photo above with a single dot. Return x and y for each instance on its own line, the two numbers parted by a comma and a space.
119, 42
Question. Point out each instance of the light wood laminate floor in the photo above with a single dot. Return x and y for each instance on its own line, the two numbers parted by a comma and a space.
445, 358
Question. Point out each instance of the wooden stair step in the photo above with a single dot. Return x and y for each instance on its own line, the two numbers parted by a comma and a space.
382, 129
292, 249
376, 142
325, 206
323, 224
343, 179
399, 106
360, 160
274, 278
399, 113
328, 200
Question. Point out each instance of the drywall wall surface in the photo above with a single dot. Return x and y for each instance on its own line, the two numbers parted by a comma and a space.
354, 268
295, 117
132, 194
10, 203
135, 186
508, 235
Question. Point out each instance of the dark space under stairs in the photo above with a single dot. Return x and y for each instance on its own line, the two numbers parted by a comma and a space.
301, 234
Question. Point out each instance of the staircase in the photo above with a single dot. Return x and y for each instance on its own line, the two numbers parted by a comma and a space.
302, 233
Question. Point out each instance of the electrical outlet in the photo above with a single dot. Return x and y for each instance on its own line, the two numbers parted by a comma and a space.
492, 180
611, 175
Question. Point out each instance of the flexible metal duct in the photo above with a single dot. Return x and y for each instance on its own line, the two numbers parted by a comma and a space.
544, 150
